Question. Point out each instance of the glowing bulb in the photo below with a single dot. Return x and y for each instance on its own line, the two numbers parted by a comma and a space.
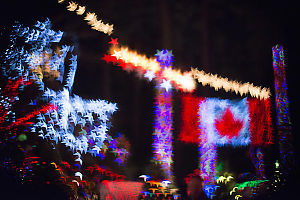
72, 6
80, 10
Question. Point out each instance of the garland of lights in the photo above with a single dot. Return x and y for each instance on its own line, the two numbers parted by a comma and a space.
150, 67
218, 82
282, 108
90, 17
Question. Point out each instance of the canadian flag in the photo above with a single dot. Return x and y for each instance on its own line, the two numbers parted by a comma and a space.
226, 122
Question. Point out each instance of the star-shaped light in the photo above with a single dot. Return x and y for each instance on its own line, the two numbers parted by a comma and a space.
80, 10
79, 160
145, 177
164, 57
166, 85
107, 58
91, 17
150, 75
114, 42
72, 6
97, 149
117, 54
79, 175
165, 183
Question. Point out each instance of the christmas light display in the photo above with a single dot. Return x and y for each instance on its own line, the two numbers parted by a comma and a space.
223, 179
182, 80
282, 108
218, 82
150, 67
57, 119
159, 189
91, 17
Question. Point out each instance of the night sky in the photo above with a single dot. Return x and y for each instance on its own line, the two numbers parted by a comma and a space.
231, 38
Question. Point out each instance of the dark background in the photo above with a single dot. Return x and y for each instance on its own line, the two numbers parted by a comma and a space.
233, 39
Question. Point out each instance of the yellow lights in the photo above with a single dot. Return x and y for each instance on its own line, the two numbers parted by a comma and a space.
218, 82
223, 179
233, 190
183, 81
80, 10
238, 196
98, 24
135, 59
277, 164
72, 6
90, 17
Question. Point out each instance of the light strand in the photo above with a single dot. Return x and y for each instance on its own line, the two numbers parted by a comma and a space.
233, 86
90, 17
132, 60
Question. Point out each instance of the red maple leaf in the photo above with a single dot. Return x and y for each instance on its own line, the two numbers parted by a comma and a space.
227, 125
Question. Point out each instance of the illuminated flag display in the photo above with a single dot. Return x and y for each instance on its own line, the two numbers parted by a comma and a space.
226, 122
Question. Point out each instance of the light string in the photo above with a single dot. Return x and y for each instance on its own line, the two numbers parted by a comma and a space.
150, 67
181, 80
90, 17
233, 86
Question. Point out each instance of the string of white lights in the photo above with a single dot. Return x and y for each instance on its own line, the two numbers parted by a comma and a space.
239, 88
91, 17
